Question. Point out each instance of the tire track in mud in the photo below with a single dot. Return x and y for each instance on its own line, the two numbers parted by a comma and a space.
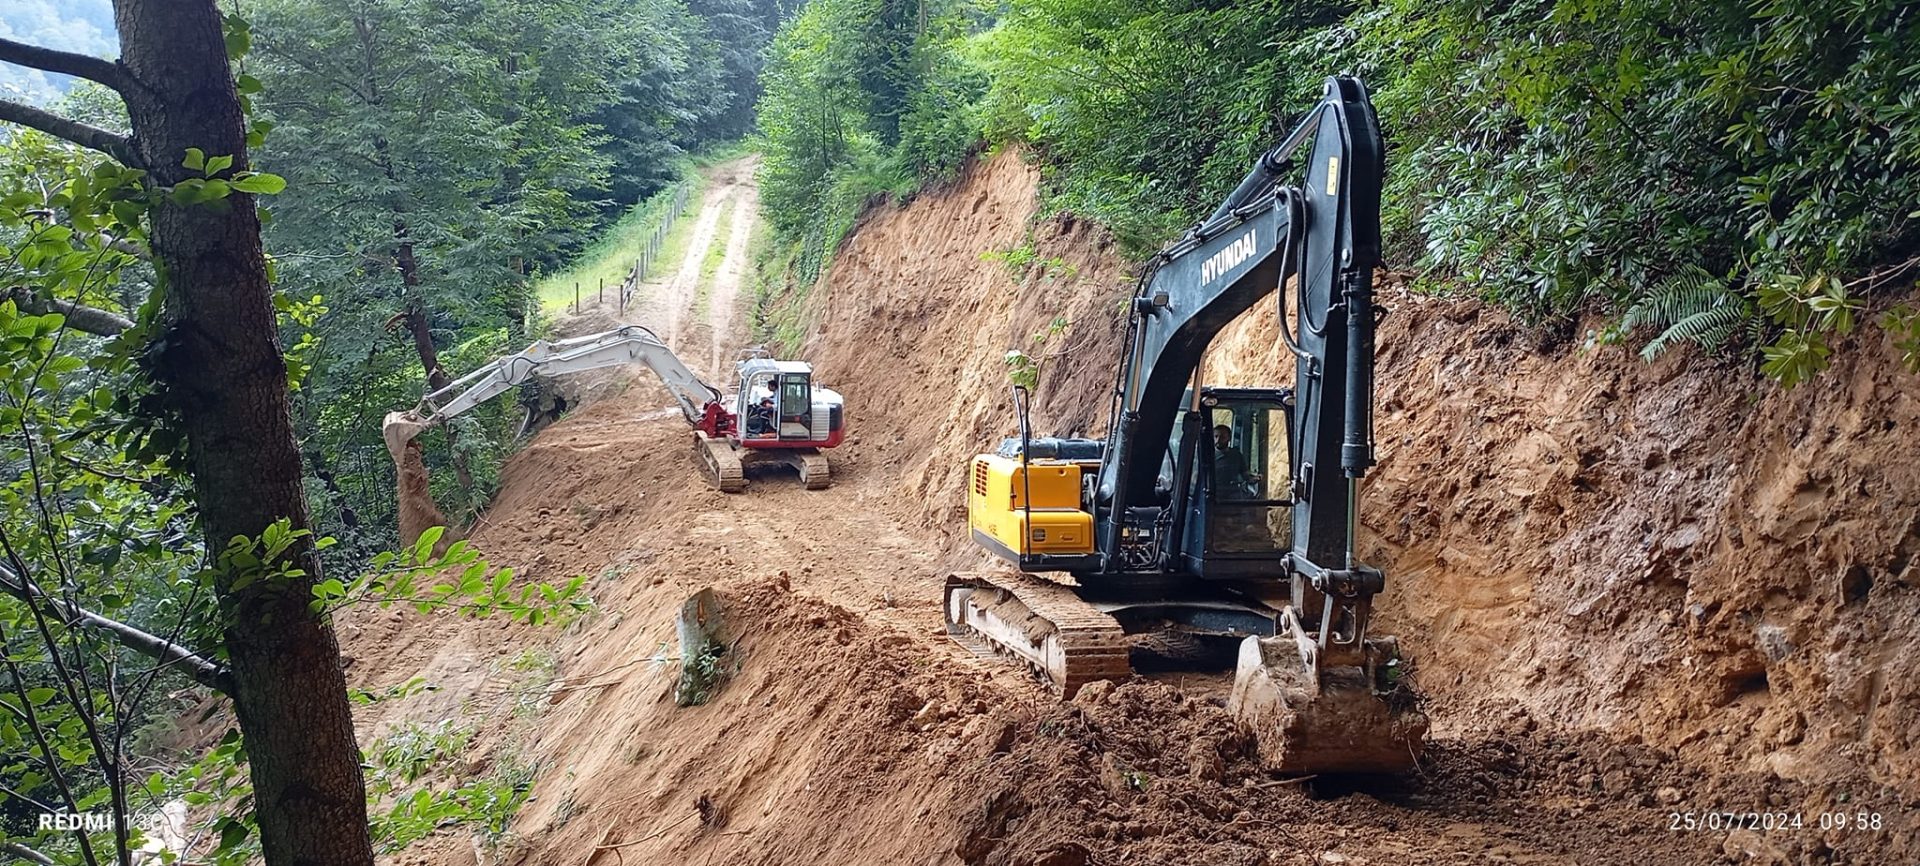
676, 300
723, 295
729, 213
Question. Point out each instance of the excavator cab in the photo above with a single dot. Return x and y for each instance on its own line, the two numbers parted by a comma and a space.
781, 407
1239, 501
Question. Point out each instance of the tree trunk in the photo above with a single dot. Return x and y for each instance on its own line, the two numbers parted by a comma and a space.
224, 371
422, 333
417, 325
330, 482
436, 377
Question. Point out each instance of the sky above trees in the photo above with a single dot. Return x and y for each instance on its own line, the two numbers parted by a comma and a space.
84, 26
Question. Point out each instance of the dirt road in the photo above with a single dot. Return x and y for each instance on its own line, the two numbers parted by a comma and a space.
693, 310
852, 732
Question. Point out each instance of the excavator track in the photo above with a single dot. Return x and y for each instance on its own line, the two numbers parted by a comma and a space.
721, 462
815, 472
1041, 624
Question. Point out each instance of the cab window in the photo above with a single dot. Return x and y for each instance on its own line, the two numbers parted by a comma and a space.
796, 397
1249, 453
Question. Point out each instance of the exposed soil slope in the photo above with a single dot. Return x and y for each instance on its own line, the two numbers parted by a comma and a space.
1675, 553
1631, 590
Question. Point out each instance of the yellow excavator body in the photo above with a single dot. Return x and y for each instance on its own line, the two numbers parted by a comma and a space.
998, 491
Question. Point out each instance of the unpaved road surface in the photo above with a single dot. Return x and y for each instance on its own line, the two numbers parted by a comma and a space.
728, 210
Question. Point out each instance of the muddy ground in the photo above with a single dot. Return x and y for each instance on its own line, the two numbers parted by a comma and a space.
1631, 591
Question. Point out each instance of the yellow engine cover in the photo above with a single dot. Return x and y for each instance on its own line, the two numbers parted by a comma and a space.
997, 488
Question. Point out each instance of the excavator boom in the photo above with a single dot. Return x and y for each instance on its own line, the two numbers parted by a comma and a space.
627, 344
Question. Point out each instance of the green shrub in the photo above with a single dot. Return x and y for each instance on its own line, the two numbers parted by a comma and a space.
1671, 164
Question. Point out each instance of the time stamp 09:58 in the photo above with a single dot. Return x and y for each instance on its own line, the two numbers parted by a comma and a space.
1764, 821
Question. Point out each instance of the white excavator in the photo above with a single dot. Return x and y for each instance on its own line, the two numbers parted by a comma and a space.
777, 414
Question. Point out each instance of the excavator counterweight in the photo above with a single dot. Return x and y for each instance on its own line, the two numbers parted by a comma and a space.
1222, 513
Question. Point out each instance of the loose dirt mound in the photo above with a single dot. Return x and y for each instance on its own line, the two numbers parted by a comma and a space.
1631, 590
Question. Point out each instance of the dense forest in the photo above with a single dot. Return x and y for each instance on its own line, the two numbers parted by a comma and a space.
1741, 177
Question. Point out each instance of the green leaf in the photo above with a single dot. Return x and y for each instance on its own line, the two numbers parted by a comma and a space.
218, 164
40, 696
423, 549
260, 183
196, 159
239, 36
232, 834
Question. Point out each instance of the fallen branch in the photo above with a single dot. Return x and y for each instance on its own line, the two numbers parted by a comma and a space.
616, 846
80, 317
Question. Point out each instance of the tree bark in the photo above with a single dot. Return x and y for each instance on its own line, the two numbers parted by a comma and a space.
224, 372
415, 317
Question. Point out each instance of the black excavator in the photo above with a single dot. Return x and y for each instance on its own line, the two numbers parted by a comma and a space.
1216, 512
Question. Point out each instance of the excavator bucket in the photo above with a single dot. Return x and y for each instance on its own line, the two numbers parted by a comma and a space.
398, 429
1311, 718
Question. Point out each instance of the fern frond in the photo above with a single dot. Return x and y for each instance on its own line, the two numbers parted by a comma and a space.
1690, 306
1686, 293
1708, 329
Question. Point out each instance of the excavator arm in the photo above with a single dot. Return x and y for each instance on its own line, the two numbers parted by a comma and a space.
1325, 237
626, 344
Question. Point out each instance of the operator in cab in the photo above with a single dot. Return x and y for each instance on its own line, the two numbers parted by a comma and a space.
1229, 465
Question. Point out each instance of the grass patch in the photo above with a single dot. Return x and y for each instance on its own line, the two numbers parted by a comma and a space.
779, 320
720, 153
411, 751
612, 256
536, 668
493, 799
701, 674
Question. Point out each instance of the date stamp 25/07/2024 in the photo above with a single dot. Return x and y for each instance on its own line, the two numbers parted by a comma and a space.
1863, 820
